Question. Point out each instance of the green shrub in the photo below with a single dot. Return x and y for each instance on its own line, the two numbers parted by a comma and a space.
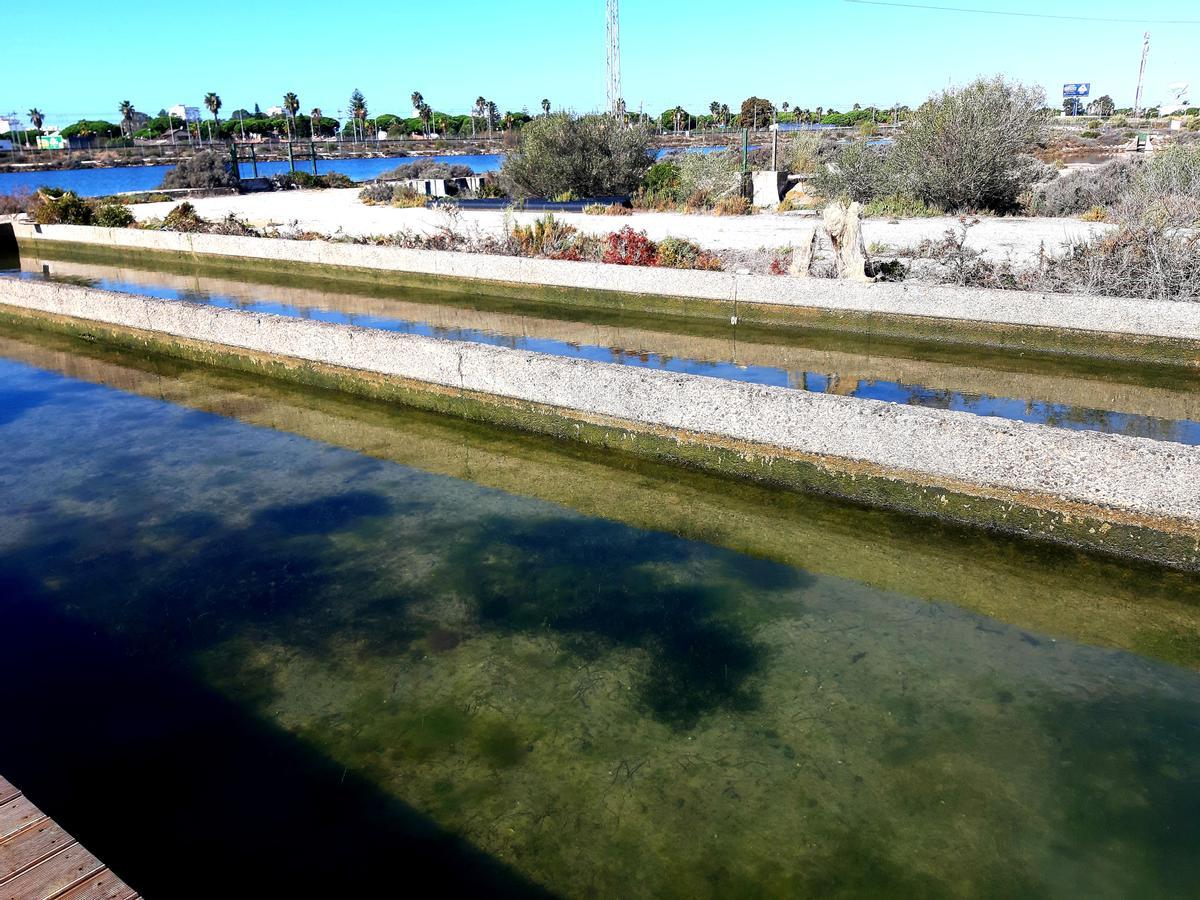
591, 156
1089, 134
968, 148
65, 209
858, 172
898, 206
184, 218
114, 215
207, 170
662, 179
706, 178
426, 168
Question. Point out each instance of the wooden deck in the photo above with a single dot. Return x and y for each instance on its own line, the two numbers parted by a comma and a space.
40, 861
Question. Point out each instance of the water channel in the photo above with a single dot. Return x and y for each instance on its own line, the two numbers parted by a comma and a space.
323, 643
1163, 404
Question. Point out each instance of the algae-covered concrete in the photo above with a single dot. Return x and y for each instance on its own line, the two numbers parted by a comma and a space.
1073, 313
1080, 487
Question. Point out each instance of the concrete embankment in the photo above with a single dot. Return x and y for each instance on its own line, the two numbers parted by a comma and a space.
1101, 326
1126, 495
1103, 389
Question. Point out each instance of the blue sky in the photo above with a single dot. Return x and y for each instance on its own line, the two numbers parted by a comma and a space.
832, 53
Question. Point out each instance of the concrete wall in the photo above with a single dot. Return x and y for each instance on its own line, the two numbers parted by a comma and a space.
1140, 477
1146, 318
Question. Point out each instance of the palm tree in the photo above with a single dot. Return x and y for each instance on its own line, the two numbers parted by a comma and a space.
714, 110
213, 102
426, 114
418, 101
358, 108
725, 114
493, 115
678, 115
480, 110
126, 110
545, 106
36, 118
291, 105
314, 121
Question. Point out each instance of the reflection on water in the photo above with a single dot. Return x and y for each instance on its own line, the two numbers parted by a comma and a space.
602, 710
1062, 403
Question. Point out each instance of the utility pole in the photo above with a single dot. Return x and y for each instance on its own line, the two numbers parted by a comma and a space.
1137, 97
613, 34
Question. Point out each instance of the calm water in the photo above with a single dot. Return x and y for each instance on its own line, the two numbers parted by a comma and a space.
718, 359
496, 665
122, 179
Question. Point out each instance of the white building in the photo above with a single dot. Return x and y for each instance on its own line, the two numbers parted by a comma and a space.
187, 113
274, 111
10, 123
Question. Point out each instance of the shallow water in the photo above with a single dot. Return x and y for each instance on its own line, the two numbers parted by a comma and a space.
100, 182
415, 645
1094, 403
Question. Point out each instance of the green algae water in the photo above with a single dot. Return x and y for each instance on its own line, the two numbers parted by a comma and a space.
323, 645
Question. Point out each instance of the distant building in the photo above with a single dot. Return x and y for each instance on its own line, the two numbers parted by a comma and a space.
187, 113
274, 111
11, 123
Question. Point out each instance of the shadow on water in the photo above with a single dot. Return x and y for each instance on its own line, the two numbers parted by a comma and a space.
603, 585
186, 795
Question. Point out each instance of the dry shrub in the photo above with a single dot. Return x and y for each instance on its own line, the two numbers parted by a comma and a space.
610, 209
16, 202
1138, 261
545, 236
1077, 192
677, 253
732, 206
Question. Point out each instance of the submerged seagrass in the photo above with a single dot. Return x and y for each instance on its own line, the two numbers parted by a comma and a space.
613, 676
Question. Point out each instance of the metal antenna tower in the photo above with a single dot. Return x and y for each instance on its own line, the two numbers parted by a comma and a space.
1137, 98
615, 105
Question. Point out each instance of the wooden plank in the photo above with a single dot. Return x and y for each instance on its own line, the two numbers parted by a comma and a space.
65, 869
16, 814
104, 885
7, 791
30, 846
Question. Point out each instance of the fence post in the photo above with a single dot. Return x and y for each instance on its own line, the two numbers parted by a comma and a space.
745, 162
233, 155
254, 160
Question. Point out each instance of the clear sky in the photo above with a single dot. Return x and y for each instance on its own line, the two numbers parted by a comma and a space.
80, 58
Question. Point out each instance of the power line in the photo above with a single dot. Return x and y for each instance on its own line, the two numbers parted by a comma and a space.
1024, 15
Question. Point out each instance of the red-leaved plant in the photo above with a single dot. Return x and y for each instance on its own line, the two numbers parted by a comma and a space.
630, 248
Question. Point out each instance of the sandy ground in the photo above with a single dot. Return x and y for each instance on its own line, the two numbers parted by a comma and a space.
339, 211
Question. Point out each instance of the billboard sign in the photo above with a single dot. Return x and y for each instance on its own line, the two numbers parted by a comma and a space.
1078, 89
51, 142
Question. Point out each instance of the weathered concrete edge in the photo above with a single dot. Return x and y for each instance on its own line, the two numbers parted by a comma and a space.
1103, 315
478, 382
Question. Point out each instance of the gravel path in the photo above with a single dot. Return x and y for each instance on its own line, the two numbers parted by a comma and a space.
339, 211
